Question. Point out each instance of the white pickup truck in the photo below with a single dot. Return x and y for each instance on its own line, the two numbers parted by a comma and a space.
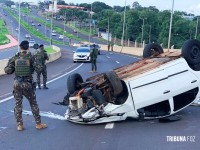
157, 86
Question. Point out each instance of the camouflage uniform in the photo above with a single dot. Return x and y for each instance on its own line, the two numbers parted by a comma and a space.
93, 56
40, 58
22, 65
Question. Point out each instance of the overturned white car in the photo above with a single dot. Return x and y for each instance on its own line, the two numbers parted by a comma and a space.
157, 86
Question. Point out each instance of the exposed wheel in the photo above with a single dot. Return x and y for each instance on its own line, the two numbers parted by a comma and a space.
98, 96
152, 49
191, 51
115, 82
74, 82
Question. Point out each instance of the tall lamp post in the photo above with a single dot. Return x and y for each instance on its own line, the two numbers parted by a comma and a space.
142, 29
51, 22
122, 40
197, 28
108, 29
149, 34
170, 27
19, 25
90, 23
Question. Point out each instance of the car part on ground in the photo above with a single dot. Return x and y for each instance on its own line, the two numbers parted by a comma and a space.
157, 86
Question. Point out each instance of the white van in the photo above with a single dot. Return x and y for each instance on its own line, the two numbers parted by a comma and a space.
157, 86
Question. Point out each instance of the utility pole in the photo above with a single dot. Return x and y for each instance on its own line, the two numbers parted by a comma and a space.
170, 27
19, 30
51, 22
142, 30
122, 40
197, 28
149, 34
108, 29
90, 22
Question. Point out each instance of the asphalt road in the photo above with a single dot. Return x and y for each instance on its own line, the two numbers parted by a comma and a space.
61, 134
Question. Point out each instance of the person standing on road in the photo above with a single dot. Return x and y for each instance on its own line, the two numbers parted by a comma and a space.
22, 65
93, 56
40, 58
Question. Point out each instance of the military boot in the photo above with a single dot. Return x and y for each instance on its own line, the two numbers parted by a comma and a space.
45, 87
41, 126
20, 127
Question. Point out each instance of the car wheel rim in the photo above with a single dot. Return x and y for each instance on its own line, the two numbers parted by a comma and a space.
195, 52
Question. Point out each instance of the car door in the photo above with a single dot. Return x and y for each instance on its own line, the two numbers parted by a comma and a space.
149, 89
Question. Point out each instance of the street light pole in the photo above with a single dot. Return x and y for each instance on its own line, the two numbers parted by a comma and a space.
90, 22
51, 23
108, 29
170, 27
142, 30
122, 40
149, 34
196, 28
19, 25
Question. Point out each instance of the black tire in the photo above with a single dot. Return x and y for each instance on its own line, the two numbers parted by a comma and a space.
191, 51
152, 49
115, 82
98, 97
74, 82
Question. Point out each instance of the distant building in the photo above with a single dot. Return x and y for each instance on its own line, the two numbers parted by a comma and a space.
54, 7
189, 16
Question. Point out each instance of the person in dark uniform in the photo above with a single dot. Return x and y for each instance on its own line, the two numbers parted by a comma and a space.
40, 58
22, 65
93, 56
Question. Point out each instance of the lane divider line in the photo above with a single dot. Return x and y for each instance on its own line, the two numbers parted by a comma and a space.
109, 126
44, 114
11, 97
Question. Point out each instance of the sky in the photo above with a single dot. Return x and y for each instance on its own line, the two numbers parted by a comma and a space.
189, 6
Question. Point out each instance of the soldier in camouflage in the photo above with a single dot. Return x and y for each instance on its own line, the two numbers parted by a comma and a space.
40, 58
93, 56
22, 65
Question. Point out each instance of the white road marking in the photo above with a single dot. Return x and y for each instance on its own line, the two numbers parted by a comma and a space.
5, 94
117, 62
45, 114
107, 56
109, 126
2, 128
11, 97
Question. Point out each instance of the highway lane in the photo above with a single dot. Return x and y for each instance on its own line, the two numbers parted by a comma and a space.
61, 134
69, 30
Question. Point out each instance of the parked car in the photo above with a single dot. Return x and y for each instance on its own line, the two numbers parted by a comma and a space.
39, 24
33, 24
82, 54
61, 37
31, 42
17, 29
157, 86
27, 36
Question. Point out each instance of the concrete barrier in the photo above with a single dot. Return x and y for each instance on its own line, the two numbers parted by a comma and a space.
52, 57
